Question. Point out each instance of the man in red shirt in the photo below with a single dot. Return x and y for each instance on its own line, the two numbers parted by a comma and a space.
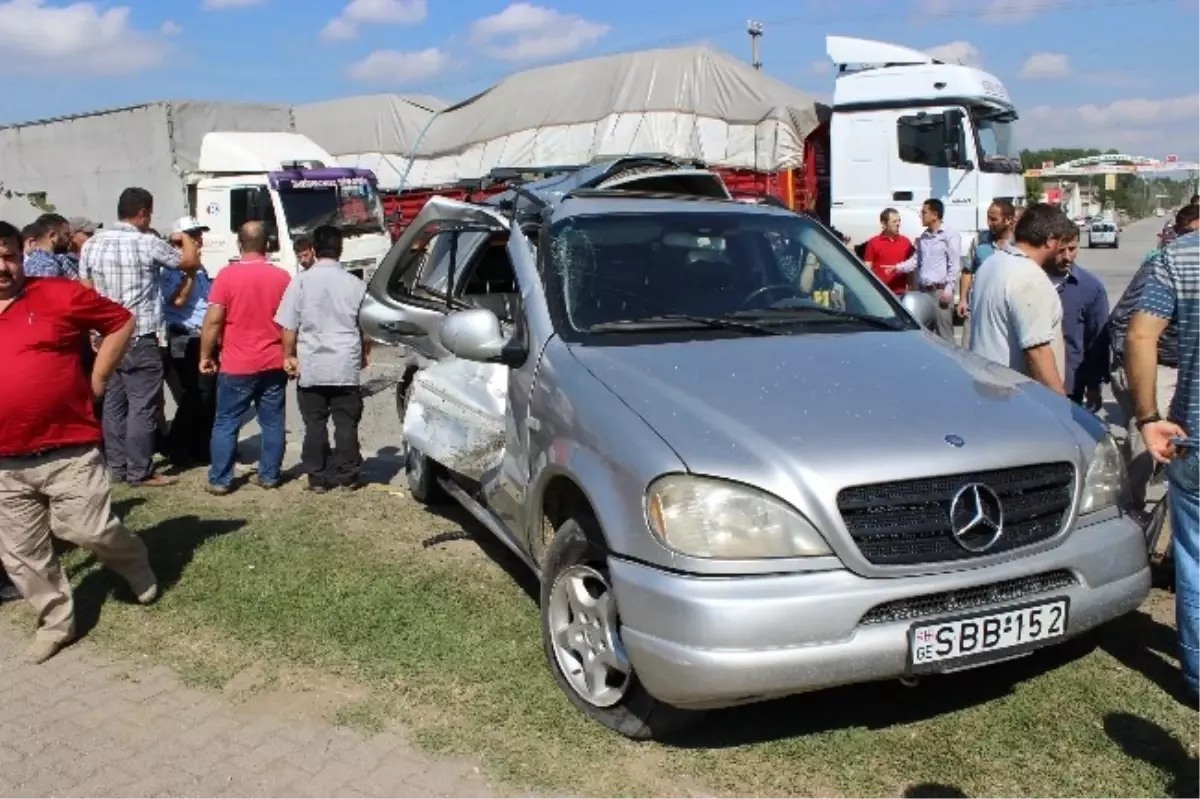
241, 318
888, 249
50, 461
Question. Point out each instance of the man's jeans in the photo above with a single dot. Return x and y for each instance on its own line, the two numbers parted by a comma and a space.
130, 410
1184, 502
266, 392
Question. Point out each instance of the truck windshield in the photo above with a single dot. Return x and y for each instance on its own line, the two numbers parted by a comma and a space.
627, 271
998, 150
352, 208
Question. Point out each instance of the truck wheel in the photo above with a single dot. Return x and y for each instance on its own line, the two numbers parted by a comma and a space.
420, 472
582, 641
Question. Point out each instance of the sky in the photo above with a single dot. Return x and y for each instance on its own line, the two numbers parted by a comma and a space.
1087, 73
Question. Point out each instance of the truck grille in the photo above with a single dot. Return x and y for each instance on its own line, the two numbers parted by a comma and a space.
908, 522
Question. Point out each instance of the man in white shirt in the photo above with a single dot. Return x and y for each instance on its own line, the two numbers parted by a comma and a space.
1016, 315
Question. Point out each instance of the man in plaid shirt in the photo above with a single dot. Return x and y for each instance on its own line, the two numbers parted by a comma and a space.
123, 262
47, 245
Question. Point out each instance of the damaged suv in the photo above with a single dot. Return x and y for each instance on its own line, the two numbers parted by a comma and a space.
739, 466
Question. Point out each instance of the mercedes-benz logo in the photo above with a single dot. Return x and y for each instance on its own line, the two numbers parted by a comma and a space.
976, 517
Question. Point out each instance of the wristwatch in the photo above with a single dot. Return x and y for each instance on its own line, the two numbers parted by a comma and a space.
1145, 420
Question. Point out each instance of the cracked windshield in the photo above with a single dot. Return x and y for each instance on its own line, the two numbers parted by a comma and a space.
621, 270
350, 204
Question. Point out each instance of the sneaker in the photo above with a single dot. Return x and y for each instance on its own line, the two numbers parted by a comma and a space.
9, 593
42, 650
218, 491
264, 484
315, 488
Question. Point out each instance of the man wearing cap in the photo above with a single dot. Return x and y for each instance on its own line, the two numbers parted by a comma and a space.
81, 229
185, 301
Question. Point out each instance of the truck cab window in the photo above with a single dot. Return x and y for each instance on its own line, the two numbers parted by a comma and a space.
998, 151
253, 204
921, 140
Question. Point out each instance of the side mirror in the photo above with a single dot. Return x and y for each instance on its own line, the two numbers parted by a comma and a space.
921, 307
952, 139
475, 335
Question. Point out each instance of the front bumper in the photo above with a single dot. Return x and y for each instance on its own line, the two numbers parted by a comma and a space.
709, 642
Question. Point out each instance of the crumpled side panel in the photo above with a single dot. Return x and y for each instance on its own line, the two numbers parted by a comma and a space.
455, 415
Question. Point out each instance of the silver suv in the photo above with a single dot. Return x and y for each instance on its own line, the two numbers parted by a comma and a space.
739, 466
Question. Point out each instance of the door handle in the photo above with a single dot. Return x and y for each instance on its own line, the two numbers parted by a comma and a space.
401, 328
902, 195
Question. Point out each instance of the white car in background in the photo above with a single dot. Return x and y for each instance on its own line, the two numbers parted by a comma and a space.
1104, 233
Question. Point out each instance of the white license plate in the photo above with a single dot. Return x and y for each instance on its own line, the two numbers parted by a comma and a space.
939, 646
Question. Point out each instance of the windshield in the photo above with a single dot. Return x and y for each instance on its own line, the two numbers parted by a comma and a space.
772, 269
353, 207
996, 130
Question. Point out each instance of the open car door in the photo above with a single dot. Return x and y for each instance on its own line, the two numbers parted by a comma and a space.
402, 305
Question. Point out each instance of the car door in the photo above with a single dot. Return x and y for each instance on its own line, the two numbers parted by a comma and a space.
525, 442
404, 305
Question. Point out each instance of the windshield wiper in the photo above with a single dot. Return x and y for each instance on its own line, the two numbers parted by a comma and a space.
683, 322
866, 319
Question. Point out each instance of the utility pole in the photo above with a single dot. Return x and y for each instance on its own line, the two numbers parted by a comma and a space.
755, 29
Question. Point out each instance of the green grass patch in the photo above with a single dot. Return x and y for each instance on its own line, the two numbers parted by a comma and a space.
444, 638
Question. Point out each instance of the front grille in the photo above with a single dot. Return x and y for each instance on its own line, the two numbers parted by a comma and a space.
908, 522
921, 607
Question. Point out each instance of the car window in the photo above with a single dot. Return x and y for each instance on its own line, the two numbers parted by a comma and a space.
445, 247
618, 267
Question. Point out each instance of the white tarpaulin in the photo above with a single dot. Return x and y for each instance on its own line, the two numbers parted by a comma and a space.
685, 103
455, 415
82, 163
370, 123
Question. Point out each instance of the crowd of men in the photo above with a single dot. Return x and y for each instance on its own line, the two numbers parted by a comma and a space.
95, 322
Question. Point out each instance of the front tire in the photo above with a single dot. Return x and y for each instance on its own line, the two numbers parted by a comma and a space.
582, 643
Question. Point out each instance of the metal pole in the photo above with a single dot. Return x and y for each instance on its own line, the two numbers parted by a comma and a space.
755, 29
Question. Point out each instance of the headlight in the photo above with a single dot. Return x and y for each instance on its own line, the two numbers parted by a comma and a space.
708, 518
1104, 484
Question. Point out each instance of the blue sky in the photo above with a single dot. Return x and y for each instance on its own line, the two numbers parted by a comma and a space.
1120, 73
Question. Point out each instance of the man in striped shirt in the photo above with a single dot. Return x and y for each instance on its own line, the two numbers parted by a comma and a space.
1172, 294
123, 262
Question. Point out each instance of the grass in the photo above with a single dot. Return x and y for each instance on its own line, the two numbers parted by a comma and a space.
371, 591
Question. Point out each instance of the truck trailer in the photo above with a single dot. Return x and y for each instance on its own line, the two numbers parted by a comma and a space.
224, 163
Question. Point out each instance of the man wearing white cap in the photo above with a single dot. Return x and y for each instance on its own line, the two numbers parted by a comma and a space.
185, 301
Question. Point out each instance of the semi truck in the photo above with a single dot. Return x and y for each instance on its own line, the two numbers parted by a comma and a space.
223, 163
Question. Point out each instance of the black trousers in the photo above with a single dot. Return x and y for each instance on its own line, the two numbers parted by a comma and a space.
339, 466
195, 398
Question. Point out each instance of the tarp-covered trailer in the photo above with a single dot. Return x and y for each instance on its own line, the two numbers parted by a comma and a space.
691, 104
79, 165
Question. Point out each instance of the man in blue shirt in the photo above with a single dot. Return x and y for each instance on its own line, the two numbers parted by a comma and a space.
1085, 326
185, 301
1172, 294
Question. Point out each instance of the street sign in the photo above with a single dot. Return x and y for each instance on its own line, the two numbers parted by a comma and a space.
1110, 182
1172, 158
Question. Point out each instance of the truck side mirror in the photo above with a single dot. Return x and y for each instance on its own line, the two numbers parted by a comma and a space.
952, 139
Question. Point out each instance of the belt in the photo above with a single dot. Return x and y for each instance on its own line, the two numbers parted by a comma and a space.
933, 286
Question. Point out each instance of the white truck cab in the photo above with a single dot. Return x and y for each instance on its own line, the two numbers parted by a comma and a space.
294, 186
906, 127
